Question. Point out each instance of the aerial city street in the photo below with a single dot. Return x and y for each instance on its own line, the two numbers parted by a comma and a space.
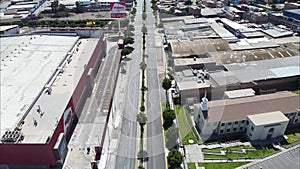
150, 84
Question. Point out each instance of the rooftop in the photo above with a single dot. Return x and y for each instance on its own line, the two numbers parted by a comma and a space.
7, 27
198, 47
258, 70
38, 61
276, 32
192, 84
27, 63
233, 94
254, 43
268, 118
238, 109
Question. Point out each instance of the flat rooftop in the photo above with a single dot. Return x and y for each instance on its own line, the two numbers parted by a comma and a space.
7, 27
198, 47
238, 109
257, 70
268, 118
63, 87
233, 94
38, 62
276, 32
254, 43
192, 84
27, 63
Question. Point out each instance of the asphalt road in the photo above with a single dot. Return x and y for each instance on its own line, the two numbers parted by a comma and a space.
155, 140
127, 151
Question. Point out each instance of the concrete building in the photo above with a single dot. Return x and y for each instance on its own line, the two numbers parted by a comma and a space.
45, 81
266, 125
289, 18
9, 30
255, 115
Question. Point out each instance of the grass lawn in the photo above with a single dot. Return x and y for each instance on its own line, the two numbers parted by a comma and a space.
294, 137
215, 150
229, 165
296, 91
184, 128
249, 154
191, 165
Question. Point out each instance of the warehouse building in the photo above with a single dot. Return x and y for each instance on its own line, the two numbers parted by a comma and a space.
45, 81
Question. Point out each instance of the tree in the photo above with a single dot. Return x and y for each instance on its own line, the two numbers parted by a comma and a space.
141, 167
166, 84
144, 29
128, 40
125, 51
79, 8
172, 135
54, 5
144, 16
143, 65
188, 2
168, 116
142, 119
175, 158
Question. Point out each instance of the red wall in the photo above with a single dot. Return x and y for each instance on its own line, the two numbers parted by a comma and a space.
79, 91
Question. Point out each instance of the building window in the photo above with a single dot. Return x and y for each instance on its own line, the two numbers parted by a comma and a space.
247, 122
252, 128
234, 129
228, 130
241, 128
271, 130
250, 134
229, 123
199, 116
243, 121
223, 124
296, 120
221, 131
236, 122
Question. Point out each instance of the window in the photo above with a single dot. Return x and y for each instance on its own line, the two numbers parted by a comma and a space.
252, 128
296, 121
241, 128
221, 131
229, 123
199, 116
250, 134
298, 114
236, 122
234, 129
243, 121
228, 130
271, 130
247, 122
223, 124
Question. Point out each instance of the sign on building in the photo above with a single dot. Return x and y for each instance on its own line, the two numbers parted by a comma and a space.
118, 9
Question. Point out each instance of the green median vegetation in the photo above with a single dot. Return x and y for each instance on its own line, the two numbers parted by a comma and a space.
229, 165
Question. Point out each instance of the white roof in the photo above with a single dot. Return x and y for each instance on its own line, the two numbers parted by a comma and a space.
27, 63
191, 84
63, 88
240, 93
7, 27
268, 118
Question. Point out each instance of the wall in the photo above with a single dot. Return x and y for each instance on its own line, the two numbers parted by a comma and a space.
79, 97
261, 132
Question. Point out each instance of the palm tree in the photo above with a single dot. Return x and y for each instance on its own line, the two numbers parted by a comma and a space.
166, 84
142, 119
